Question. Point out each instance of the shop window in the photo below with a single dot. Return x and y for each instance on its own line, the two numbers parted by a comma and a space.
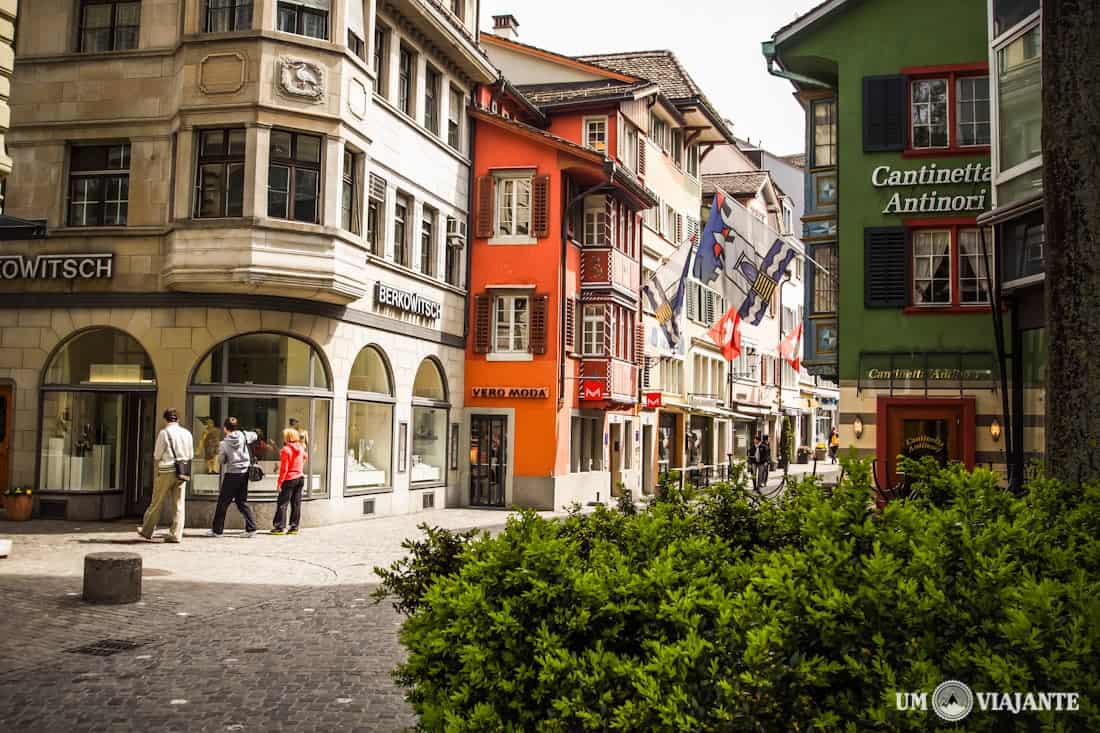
402, 210
586, 444
381, 57
349, 198
595, 133
432, 85
107, 25
269, 382
948, 268
294, 177
370, 424
428, 226
219, 187
227, 15
99, 185
429, 425
824, 120
309, 18
406, 80
94, 391
455, 111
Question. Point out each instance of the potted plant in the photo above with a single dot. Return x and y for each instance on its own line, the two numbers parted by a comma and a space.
803, 454
18, 503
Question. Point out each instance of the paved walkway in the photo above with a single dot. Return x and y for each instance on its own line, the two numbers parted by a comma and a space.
267, 633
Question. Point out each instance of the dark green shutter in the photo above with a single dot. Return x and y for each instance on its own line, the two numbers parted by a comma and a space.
885, 271
885, 113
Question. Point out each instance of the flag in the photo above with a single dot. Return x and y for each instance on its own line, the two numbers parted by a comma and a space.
788, 347
726, 332
763, 279
666, 289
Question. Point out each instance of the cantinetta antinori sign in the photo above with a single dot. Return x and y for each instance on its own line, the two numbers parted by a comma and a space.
408, 302
57, 267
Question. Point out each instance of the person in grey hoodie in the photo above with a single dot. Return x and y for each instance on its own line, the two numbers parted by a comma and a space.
234, 458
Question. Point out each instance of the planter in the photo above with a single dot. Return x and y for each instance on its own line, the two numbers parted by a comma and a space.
18, 508
803, 456
820, 454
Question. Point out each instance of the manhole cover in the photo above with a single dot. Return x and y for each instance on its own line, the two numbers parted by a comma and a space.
256, 650
106, 647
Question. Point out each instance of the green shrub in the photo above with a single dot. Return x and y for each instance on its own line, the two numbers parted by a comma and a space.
711, 610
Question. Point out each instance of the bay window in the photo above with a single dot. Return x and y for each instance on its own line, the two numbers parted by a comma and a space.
294, 177
349, 198
220, 184
305, 18
824, 152
228, 15
593, 329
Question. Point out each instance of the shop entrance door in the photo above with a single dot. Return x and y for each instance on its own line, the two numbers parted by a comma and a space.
5, 436
138, 437
616, 457
488, 459
937, 429
647, 459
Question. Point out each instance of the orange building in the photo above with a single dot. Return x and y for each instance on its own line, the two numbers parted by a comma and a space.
555, 342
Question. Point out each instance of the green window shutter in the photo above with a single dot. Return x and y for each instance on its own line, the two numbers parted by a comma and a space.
885, 113
885, 270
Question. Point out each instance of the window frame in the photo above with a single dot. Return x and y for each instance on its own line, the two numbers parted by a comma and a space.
232, 11
300, 13
954, 227
591, 141
950, 73
511, 299
226, 161
404, 202
452, 266
454, 116
501, 182
595, 315
433, 85
294, 164
113, 27
832, 126
351, 190
429, 231
376, 217
380, 61
356, 45
406, 81
103, 176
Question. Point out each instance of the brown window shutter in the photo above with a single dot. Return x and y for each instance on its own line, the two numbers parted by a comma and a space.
679, 228
641, 155
639, 343
484, 207
763, 370
539, 305
540, 206
570, 334
483, 323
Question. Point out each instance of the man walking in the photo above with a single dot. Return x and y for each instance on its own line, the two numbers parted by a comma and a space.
763, 463
235, 460
174, 444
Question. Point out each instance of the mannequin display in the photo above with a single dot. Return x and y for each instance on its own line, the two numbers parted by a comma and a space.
211, 437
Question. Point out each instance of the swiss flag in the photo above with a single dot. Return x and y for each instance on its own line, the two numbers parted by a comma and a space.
726, 332
788, 347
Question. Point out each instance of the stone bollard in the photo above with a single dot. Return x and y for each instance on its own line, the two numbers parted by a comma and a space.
112, 577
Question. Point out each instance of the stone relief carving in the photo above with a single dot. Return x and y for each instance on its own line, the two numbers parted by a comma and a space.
301, 79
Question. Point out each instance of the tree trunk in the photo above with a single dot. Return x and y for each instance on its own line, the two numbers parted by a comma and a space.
1071, 185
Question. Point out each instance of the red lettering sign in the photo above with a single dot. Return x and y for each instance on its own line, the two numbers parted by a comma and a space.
652, 400
594, 389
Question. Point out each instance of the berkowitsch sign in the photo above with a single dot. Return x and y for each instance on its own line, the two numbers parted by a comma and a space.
408, 302
57, 267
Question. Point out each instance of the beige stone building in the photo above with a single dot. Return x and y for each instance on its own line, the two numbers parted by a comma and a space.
8, 10
256, 209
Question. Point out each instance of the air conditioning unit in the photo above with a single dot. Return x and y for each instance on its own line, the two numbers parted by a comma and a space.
456, 231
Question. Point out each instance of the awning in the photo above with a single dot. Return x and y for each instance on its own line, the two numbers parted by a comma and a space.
1017, 208
753, 410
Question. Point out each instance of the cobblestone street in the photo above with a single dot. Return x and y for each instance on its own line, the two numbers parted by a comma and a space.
234, 634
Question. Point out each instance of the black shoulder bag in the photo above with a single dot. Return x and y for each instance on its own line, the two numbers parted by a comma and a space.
183, 468
255, 470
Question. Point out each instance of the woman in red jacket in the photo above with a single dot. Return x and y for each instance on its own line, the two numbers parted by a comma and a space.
292, 459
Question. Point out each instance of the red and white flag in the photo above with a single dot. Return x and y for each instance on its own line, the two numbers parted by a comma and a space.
726, 332
789, 348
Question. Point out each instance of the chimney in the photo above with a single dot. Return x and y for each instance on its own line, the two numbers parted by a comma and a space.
506, 26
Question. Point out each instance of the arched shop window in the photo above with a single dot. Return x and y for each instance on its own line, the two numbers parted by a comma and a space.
369, 458
269, 382
429, 425
97, 423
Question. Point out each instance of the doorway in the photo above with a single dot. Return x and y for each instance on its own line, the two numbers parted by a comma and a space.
648, 459
917, 428
6, 426
488, 460
616, 457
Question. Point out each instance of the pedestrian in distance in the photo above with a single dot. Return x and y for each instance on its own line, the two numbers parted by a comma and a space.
764, 465
834, 445
754, 461
235, 459
292, 460
173, 451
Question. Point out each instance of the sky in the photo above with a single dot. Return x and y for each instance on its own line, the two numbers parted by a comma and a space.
717, 41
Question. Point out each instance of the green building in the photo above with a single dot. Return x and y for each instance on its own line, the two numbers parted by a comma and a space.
897, 98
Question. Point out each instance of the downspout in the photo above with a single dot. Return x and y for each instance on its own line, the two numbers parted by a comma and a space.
771, 55
1015, 482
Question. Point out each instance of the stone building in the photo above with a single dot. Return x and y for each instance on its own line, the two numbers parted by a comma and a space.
257, 209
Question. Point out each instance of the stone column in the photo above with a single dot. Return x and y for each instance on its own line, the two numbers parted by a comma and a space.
185, 154
333, 189
257, 150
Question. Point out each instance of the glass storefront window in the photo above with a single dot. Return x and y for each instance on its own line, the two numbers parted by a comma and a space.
269, 382
81, 450
428, 462
368, 461
1020, 103
100, 356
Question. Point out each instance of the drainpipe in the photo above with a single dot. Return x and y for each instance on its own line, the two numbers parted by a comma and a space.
772, 57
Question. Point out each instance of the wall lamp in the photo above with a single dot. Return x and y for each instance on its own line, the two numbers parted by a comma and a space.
857, 427
995, 430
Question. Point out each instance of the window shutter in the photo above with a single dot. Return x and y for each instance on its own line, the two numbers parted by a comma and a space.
540, 206
483, 323
693, 301
639, 344
539, 305
484, 207
608, 222
763, 369
570, 325
641, 155
885, 111
679, 228
885, 274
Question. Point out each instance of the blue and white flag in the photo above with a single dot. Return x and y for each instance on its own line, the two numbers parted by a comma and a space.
665, 292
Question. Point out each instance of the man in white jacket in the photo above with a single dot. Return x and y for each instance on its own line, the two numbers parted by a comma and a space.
174, 443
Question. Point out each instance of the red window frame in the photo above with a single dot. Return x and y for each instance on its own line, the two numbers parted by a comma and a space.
953, 225
952, 73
